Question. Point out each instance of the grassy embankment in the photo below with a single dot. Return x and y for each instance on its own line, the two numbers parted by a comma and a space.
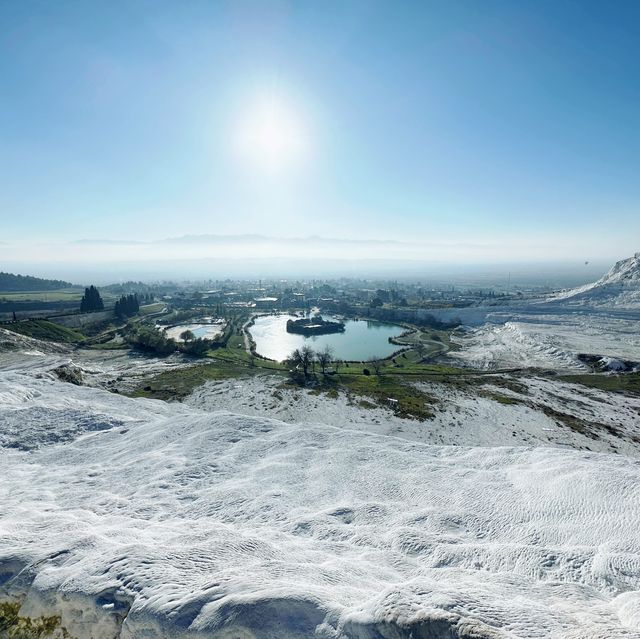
615, 383
230, 361
45, 330
103, 336
391, 386
97, 335
62, 295
150, 309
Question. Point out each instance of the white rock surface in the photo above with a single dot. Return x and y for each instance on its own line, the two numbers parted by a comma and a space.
619, 287
548, 341
471, 417
175, 522
600, 318
24, 346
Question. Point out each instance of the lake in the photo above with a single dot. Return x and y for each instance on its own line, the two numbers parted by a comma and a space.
361, 340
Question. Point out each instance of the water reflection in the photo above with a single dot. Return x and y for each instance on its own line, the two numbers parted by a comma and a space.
361, 340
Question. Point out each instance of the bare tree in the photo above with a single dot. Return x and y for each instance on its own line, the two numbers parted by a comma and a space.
324, 357
307, 358
302, 358
421, 349
376, 364
295, 359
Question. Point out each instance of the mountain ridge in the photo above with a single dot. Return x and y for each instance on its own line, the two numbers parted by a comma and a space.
619, 286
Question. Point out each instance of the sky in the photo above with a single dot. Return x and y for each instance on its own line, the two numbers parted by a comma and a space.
479, 131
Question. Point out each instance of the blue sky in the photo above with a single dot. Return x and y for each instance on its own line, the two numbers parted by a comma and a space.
513, 126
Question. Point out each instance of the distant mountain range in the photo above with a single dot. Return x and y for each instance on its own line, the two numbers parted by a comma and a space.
242, 239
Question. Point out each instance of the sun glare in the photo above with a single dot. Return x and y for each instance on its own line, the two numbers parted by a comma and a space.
271, 135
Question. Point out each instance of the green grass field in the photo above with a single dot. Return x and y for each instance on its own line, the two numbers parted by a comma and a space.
392, 387
620, 383
178, 383
63, 295
148, 309
43, 329
388, 391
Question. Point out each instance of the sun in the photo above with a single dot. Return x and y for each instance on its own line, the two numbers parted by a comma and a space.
271, 134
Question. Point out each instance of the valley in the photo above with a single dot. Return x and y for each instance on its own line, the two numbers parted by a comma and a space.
474, 465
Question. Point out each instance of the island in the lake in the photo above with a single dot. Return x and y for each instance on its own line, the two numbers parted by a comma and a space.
314, 326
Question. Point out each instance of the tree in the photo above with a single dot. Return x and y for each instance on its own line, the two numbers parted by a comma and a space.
127, 306
324, 358
187, 336
11, 282
196, 346
376, 364
302, 358
308, 357
91, 300
295, 359
149, 338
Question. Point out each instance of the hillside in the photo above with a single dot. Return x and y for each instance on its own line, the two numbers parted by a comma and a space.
13, 283
45, 330
619, 287
142, 518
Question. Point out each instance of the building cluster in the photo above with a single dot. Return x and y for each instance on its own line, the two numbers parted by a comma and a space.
355, 296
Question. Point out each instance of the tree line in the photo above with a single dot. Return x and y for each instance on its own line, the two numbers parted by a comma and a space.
127, 306
91, 300
10, 282
149, 338
305, 359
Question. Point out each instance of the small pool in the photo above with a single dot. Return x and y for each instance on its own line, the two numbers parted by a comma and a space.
203, 331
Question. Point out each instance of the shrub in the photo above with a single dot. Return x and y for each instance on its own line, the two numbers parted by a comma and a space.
148, 338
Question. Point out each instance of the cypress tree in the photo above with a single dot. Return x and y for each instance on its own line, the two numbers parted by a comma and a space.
127, 305
91, 300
